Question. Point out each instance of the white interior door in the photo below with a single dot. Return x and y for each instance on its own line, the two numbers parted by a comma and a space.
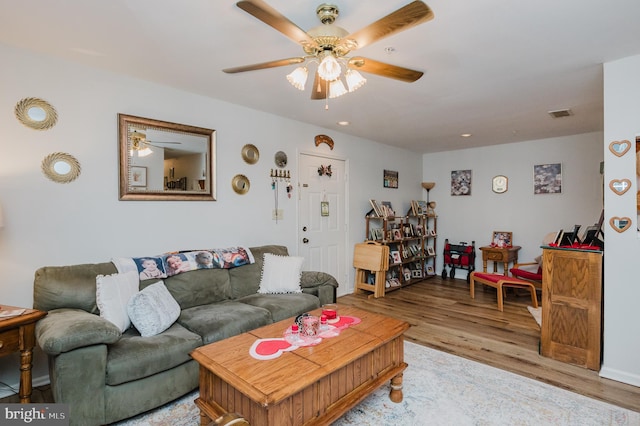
322, 233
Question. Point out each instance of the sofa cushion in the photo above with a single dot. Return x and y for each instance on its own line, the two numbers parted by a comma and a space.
245, 280
218, 321
64, 330
72, 287
280, 274
112, 295
283, 306
153, 310
134, 357
200, 287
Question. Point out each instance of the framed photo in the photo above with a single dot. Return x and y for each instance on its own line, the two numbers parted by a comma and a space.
547, 178
390, 179
461, 182
431, 251
416, 273
395, 256
138, 176
502, 239
432, 232
324, 208
430, 270
387, 209
376, 208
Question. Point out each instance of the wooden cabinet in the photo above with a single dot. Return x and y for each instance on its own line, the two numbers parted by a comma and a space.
572, 306
408, 238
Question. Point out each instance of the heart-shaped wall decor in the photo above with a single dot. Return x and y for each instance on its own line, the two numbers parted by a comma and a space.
619, 148
620, 224
620, 186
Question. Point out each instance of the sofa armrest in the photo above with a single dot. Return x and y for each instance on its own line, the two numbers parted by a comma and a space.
63, 330
310, 279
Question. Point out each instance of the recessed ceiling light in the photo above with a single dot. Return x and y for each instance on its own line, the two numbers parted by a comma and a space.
466, 135
343, 123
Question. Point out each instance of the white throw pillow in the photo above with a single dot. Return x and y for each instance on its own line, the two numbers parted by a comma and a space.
112, 295
153, 310
281, 274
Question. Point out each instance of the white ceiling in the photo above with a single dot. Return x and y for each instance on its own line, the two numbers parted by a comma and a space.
493, 68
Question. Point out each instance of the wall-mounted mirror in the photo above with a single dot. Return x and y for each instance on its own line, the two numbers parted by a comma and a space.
36, 113
61, 167
178, 160
250, 154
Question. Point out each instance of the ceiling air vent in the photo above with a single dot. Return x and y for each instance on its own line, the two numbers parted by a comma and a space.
560, 113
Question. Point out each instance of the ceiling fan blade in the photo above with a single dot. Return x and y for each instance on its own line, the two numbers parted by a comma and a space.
319, 88
276, 20
264, 65
404, 18
384, 70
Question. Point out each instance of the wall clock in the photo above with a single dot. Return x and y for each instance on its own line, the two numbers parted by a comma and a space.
500, 184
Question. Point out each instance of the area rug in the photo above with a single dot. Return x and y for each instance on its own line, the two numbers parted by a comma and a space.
444, 389
536, 313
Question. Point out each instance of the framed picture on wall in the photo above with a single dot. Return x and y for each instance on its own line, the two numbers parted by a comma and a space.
138, 176
461, 182
390, 179
547, 178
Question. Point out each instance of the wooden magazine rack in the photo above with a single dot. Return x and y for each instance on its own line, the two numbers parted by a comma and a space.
372, 257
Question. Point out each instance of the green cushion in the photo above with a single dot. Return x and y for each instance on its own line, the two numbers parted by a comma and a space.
63, 330
134, 357
283, 306
223, 319
69, 286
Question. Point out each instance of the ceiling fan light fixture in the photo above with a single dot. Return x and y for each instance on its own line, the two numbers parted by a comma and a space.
355, 80
329, 68
298, 77
336, 89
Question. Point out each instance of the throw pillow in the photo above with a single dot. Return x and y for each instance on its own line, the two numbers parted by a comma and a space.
153, 310
281, 274
112, 295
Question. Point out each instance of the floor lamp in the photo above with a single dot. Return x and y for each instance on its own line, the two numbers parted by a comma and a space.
429, 186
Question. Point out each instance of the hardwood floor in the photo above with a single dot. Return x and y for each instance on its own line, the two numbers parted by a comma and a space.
443, 316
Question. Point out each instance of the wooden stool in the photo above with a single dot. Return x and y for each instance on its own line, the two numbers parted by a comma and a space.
499, 282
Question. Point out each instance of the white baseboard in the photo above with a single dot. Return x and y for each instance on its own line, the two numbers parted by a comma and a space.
620, 376
35, 381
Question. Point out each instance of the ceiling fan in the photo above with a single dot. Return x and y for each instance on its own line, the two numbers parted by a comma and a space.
328, 45
140, 142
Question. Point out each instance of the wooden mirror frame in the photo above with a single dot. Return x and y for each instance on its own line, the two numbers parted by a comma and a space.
127, 124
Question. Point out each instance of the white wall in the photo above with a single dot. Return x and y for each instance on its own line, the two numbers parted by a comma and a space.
83, 221
530, 217
622, 250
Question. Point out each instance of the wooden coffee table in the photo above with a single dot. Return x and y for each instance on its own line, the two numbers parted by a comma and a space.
310, 385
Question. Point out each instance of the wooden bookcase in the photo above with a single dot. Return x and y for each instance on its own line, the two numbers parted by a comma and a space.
407, 238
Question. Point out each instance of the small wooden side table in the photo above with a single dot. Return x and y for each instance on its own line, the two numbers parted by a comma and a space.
504, 255
17, 333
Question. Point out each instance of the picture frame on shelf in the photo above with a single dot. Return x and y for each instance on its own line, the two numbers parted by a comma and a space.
387, 209
395, 256
376, 208
416, 273
430, 270
431, 251
432, 232
397, 235
502, 239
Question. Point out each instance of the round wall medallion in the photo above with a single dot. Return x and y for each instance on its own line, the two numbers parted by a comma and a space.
240, 184
36, 113
61, 167
281, 159
250, 154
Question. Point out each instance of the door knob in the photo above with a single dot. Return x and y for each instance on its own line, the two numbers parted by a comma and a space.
305, 240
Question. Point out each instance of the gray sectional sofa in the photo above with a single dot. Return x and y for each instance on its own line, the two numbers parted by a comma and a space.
106, 375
